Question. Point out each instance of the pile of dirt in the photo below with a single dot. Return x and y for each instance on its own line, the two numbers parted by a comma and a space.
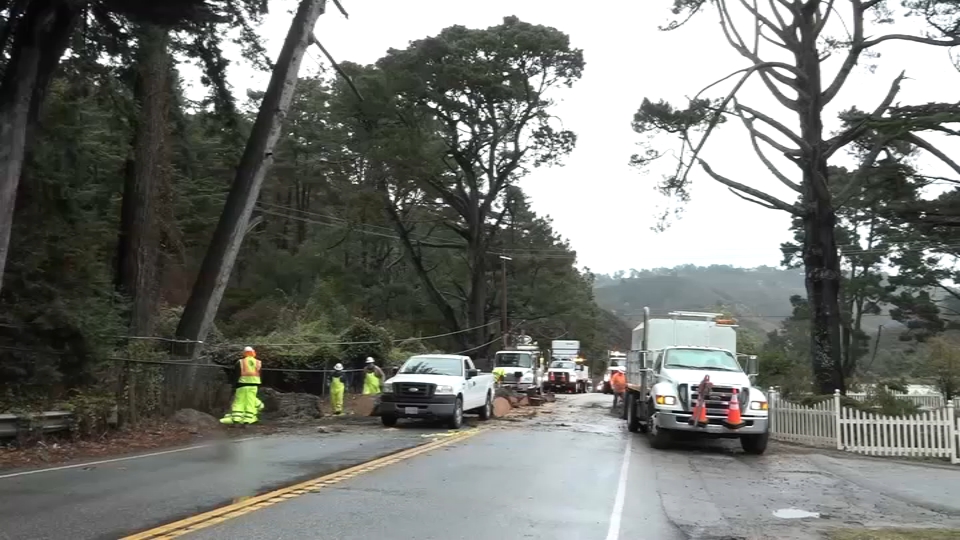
292, 405
195, 421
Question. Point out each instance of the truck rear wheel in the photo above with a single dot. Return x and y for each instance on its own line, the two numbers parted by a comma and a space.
487, 411
630, 404
755, 444
456, 420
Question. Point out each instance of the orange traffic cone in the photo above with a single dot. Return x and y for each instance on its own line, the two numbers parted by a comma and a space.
734, 421
699, 418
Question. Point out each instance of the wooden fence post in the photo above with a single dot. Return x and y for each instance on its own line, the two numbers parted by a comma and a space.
836, 415
952, 433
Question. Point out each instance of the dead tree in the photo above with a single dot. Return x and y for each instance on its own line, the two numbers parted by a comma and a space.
798, 27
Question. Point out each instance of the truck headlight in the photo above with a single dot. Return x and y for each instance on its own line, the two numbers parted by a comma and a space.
666, 400
387, 388
444, 390
758, 405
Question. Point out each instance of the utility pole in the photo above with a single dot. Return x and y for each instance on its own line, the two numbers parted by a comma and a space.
257, 158
504, 323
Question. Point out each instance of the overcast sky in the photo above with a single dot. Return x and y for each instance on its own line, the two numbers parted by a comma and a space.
597, 201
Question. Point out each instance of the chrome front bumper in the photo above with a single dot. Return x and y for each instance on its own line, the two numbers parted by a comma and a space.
677, 421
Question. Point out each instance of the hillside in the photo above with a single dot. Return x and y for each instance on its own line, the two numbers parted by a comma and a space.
758, 296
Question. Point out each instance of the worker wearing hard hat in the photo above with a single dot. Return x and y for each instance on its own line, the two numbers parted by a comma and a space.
336, 389
246, 405
618, 382
372, 377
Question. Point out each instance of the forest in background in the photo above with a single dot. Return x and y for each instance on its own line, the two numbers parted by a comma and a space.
349, 253
392, 201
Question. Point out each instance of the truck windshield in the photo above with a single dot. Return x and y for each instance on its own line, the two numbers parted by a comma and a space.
524, 360
562, 365
433, 365
701, 359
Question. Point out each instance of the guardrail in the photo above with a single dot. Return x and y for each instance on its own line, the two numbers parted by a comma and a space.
48, 422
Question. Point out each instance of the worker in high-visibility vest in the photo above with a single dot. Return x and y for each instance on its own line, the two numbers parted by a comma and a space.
246, 405
618, 382
372, 377
336, 389
499, 373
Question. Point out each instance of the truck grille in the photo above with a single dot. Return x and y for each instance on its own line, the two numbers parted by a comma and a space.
512, 377
415, 390
717, 402
559, 377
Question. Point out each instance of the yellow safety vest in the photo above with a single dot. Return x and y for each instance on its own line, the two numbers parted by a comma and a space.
371, 383
249, 370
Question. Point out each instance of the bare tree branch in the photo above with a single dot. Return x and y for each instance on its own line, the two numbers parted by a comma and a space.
916, 140
752, 200
769, 199
748, 123
776, 125
851, 134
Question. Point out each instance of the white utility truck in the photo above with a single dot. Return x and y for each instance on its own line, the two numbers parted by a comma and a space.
669, 359
616, 361
562, 377
521, 367
437, 386
564, 373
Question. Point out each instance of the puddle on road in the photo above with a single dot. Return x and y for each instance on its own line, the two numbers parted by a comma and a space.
794, 513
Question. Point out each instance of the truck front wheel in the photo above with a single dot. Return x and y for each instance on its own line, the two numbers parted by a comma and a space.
457, 419
755, 444
660, 439
388, 420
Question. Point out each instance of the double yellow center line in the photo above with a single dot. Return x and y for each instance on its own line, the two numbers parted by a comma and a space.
252, 504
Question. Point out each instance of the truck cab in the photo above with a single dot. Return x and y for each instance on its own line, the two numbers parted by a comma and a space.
669, 359
520, 368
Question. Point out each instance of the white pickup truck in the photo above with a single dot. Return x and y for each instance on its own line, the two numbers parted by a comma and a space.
437, 386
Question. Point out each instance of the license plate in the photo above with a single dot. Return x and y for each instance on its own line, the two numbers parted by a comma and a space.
410, 410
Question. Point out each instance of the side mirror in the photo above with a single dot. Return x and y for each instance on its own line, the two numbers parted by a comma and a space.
471, 373
646, 359
753, 366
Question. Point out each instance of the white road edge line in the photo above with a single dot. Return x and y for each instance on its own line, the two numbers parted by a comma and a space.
613, 533
115, 460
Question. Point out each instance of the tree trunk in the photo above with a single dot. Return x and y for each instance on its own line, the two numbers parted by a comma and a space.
477, 307
820, 258
138, 253
822, 266
257, 158
40, 40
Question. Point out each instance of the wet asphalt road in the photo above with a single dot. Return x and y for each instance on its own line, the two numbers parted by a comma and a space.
560, 475
109, 500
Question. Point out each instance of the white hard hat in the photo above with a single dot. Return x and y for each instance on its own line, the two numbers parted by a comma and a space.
370, 360
338, 367
248, 349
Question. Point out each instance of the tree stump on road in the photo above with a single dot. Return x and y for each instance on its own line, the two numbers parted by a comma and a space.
364, 405
549, 397
501, 406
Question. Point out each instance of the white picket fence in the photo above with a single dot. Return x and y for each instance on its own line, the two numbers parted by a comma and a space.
932, 433
924, 401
